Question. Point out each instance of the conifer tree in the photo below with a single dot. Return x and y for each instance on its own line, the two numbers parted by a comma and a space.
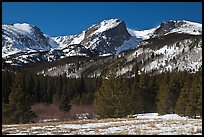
136, 101
183, 99
104, 98
6, 85
112, 98
199, 106
192, 105
18, 110
64, 104
162, 97
162, 104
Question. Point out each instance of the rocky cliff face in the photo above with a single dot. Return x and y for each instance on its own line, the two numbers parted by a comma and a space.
178, 26
166, 27
102, 38
106, 39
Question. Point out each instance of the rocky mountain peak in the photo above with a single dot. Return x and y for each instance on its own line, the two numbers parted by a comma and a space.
178, 26
106, 36
25, 43
166, 27
22, 38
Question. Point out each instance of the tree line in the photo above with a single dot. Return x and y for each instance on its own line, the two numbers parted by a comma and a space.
171, 92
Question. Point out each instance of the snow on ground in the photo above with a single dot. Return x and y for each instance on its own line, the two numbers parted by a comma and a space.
143, 124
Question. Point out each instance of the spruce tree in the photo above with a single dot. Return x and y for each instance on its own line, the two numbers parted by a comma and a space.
193, 97
136, 101
162, 97
104, 98
183, 99
112, 98
199, 106
64, 104
18, 110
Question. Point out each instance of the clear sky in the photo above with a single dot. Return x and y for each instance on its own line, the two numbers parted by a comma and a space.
67, 18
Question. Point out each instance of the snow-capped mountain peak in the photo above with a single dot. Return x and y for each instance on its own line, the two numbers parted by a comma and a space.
22, 37
184, 26
24, 27
103, 37
171, 26
26, 43
105, 25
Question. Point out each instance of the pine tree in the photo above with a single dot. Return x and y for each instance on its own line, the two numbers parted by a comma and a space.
183, 99
18, 110
64, 104
199, 106
112, 98
193, 97
103, 102
6, 85
163, 96
136, 101
199, 88
174, 90
191, 105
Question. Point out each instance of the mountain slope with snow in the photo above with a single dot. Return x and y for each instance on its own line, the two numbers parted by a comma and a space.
105, 37
171, 46
23, 38
180, 26
26, 43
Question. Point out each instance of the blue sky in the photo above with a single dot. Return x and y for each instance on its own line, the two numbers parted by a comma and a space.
66, 18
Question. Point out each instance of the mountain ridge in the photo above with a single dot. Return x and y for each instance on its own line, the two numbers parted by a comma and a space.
106, 38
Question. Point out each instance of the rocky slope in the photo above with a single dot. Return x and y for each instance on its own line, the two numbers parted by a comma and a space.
25, 43
170, 53
106, 37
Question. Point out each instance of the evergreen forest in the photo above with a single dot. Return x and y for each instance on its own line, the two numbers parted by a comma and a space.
170, 92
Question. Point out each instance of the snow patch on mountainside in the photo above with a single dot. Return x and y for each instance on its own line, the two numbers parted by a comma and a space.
143, 34
106, 25
78, 39
130, 44
188, 27
176, 58
24, 26
22, 38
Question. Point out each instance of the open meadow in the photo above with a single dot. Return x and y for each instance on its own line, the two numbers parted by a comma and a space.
142, 124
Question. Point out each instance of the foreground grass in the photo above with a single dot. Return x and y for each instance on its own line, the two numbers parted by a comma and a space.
118, 126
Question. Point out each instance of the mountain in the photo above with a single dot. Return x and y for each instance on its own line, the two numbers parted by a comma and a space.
23, 37
171, 46
26, 43
179, 26
20, 42
106, 37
